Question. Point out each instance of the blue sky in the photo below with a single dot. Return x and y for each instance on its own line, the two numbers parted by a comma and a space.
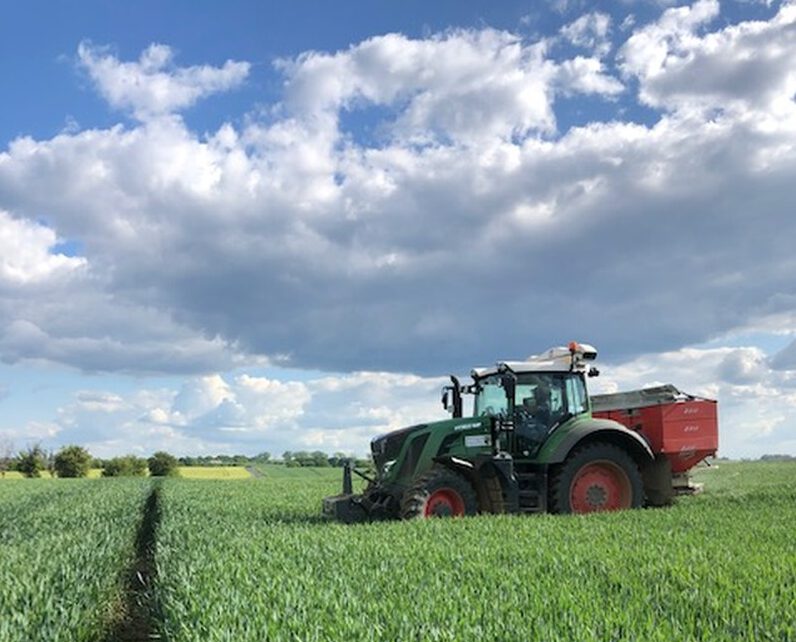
39, 40
259, 226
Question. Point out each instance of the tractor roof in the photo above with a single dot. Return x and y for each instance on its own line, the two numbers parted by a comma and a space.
571, 358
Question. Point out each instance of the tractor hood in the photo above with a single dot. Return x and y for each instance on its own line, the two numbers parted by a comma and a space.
444, 433
386, 448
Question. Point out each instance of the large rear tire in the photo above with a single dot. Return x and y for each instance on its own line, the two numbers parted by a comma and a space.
594, 478
439, 493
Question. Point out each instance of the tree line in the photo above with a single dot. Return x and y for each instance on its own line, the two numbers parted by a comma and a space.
76, 461
319, 458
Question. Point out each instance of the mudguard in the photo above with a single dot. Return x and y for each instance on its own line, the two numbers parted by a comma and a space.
557, 447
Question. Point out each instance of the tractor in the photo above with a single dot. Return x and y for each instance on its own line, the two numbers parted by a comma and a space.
531, 445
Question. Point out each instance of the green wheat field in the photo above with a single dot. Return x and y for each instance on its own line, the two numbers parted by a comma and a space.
251, 559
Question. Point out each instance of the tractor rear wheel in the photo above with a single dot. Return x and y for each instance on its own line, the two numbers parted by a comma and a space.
439, 493
596, 477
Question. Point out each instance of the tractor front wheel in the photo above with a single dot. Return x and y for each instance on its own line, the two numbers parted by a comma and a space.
596, 477
439, 493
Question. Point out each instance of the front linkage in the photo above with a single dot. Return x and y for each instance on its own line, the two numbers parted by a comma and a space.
375, 503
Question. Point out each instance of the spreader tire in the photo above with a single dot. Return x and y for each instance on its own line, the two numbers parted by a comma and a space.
596, 477
439, 493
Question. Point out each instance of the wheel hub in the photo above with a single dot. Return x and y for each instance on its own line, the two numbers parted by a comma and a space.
596, 496
441, 509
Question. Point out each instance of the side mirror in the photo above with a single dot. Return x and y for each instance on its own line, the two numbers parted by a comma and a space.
593, 372
446, 398
452, 398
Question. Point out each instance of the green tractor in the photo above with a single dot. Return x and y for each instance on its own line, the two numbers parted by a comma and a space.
531, 445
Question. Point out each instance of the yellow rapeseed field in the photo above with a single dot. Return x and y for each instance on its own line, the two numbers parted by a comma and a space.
214, 472
93, 473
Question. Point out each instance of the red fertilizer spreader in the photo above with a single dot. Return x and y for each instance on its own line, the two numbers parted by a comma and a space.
679, 427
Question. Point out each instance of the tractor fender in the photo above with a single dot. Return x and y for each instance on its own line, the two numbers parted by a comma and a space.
603, 430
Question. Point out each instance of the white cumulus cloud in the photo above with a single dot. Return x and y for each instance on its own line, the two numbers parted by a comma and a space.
152, 85
590, 31
28, 253
463, 85
748, 68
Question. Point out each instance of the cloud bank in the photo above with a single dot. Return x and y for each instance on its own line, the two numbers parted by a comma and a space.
245, 413
410, 205
470, 229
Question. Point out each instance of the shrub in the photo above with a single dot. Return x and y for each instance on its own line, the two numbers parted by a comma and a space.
31, 462
72, 461
125, 466
162, 464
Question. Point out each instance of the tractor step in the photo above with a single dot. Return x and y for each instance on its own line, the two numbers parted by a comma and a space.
532, 491
530, 502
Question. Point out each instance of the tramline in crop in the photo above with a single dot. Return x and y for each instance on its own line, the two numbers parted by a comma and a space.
64, 547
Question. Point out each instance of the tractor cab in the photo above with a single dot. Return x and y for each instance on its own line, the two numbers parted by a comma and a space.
533, 405
528, 399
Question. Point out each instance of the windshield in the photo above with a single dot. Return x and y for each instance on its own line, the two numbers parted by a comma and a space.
491, 399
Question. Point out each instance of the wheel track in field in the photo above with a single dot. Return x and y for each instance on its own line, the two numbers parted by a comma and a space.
137, 621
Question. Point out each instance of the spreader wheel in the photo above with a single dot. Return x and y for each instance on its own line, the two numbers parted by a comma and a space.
439, 493
596, 477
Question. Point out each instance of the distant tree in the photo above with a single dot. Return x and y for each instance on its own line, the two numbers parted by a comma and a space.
71, 461
262, 457
777, 457
287, 456
31, 462
162, 464
125, 466
6, 454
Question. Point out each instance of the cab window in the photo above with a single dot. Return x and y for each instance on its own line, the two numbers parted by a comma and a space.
576, 396
491, 398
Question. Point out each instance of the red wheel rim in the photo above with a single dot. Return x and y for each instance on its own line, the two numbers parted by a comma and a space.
444, 502
600, 486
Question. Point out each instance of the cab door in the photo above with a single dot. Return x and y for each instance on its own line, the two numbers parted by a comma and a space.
539, 404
